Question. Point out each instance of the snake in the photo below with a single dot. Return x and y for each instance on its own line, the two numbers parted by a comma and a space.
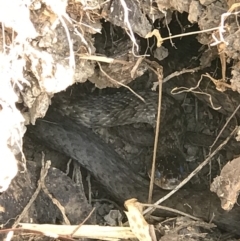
69, 121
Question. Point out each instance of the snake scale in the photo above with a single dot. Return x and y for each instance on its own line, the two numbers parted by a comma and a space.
66, 128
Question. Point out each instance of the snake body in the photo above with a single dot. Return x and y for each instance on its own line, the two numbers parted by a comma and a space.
121, 108
73, 118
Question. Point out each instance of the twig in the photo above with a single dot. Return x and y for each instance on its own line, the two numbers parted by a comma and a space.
89, 231
83, 39
57, 203
192, 174
168, 220
159, 72
190, 33
88, 179
177, 73
102, 59
160, 40
135, 67
84, 221
97, 6
199, 223
225, 125
9, 236
68, 166
220, 84
77, 175
221, 30
43, 174
126, 21
24, 231
4, 39
169, 31
119, 83
196, 109
174, 74
170, 210
60, 11
72, 64
212, 218
192, 89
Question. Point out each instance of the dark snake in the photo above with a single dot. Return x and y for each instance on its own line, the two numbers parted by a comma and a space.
66, 128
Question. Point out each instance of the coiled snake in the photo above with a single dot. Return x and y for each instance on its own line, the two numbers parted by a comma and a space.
109, 110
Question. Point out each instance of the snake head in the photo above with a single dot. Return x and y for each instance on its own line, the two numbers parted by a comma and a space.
167, 181
169, 170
